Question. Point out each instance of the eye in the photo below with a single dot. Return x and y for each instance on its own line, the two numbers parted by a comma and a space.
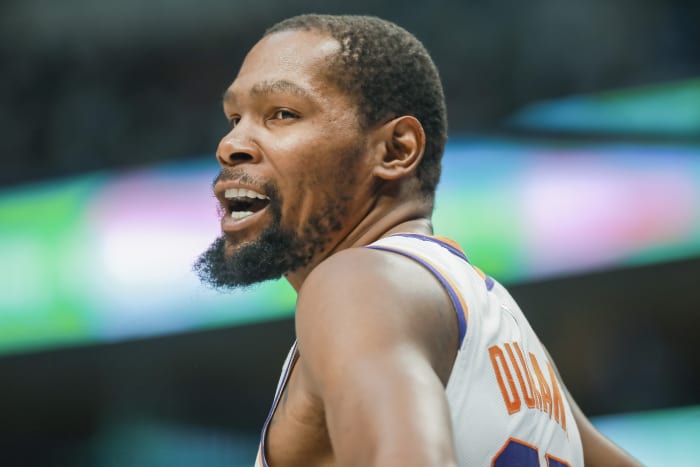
233, 120
284, 114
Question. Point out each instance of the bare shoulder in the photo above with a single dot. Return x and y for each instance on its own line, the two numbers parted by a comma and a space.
364, 301
369, 284
367, 270
377, 339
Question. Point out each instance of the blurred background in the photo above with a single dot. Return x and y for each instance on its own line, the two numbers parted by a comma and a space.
572, 175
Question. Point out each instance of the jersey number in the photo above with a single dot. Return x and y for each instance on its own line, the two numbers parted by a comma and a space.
521, 454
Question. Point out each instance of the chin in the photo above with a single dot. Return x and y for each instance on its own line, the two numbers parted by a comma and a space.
233, 244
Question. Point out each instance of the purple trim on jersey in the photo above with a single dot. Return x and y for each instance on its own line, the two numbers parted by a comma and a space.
278, 394
445, 283
427, 238
488, 279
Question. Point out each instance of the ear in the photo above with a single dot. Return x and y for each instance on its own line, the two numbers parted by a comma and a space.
402, 144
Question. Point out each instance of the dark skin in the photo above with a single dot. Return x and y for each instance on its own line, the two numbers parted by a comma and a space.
375, 355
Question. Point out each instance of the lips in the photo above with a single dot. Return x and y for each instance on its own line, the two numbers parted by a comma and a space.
241, 205
243, 202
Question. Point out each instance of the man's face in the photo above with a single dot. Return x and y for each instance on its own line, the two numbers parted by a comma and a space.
293, 165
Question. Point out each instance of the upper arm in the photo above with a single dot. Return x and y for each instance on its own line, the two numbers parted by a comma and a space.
597, 449
366, 325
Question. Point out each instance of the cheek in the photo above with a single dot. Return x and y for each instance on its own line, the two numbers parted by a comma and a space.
315, 191
318, 170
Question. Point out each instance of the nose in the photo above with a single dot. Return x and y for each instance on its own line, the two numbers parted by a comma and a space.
236, 148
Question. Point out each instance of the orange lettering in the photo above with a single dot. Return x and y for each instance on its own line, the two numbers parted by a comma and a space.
544, 387
527, 395
558, 404
511, 400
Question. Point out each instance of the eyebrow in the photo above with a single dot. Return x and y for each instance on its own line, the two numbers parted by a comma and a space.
267, 88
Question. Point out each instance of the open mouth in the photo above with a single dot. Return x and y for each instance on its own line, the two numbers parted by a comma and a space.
242, 203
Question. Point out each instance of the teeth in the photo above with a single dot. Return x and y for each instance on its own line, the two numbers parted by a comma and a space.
232, 193
241, 214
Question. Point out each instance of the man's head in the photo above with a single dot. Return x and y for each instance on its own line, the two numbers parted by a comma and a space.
389, 73
328, 114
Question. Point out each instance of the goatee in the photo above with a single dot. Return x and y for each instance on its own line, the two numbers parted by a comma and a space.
275, 252
279, 250
268, 257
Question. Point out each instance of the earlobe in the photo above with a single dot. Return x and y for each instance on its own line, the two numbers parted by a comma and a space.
404, 144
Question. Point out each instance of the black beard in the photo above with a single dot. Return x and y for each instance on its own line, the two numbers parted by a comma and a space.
268, 257
277, 250
274, 253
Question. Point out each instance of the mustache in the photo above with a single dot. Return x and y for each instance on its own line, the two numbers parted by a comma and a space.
237, 175
233, 175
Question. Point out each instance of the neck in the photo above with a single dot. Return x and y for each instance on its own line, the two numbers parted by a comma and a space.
409, 217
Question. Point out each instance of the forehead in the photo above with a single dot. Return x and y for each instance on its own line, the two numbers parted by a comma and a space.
294, 57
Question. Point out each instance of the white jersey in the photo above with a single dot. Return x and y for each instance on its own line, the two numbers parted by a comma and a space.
507, 405
508, 408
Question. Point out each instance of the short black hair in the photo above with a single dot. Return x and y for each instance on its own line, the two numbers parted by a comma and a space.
390, 73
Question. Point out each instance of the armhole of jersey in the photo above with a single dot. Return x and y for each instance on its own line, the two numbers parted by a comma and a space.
458, 303
260, 460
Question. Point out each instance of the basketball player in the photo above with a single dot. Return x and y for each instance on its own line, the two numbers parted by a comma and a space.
406, 354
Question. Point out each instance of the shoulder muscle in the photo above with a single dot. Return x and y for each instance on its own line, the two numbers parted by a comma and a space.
366, 301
